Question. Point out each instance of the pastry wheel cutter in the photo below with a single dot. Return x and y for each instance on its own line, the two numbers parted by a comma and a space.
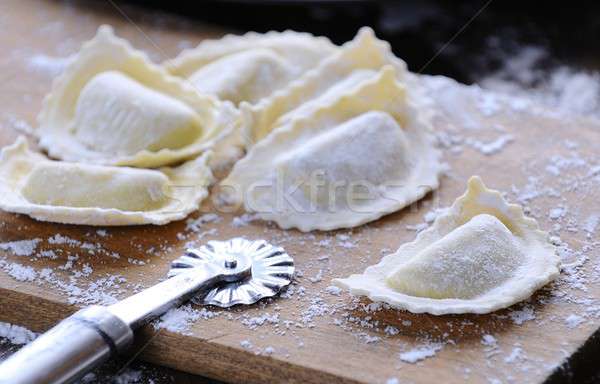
221, 273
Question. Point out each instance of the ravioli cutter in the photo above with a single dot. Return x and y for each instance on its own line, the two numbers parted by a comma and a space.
221, 273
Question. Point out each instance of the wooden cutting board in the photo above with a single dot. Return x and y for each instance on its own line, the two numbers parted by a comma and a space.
315, 336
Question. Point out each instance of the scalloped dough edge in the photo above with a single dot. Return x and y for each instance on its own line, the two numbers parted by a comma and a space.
260, 119
479, 199
189, 60
58, 143
428, 175
195, 172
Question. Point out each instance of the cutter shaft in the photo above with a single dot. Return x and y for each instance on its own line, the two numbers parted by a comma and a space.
90, 336
150, 303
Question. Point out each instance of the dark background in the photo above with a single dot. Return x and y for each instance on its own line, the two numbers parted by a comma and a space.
418, 29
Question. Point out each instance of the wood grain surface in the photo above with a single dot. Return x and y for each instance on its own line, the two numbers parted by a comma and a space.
316, 337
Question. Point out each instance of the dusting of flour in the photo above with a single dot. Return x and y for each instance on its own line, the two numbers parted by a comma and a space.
514, 89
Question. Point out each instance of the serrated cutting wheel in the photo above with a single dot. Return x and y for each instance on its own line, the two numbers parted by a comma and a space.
222, 273
258, 270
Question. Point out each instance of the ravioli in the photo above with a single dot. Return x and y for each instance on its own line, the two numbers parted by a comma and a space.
79, 193
252, 66
245, 76
365, 155
339, 73
481, 255
113, 106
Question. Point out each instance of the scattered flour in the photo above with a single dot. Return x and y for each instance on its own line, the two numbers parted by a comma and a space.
493, 147
556, 213
269, 350
348, 314
345, 241
573, 321
523, 315
130, 376
428, 218
16, 334
246, 344
488, 340
102, 232
243, 220
180, 319
257, 321
416, 227
333, 290
317, 278
431, 215
20, 272
89, 378
420, 353
591, 223
563, 90
515, 355
18, 124
194, 225
21, 247
48, 65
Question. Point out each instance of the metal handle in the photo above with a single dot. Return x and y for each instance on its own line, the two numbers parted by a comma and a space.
69, 350
152, 302
90, 336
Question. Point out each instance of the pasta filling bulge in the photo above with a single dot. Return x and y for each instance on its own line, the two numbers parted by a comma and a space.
116, 114
473, 259
76, 185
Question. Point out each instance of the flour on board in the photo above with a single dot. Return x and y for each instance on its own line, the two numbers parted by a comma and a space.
16, 334
419, 353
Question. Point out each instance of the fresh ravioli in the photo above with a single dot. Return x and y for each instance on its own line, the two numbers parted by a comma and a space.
481, 255
252, 66
365, 155
113, 106
347, 68
79, 193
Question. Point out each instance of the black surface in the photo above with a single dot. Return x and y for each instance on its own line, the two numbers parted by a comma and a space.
418, 29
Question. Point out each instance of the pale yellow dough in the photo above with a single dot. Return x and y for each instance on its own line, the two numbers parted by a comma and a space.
79, 193
370, 138
481, 255
338, 74
113, 106
251, 66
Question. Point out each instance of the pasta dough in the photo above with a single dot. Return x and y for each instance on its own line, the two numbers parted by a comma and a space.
363, 156
245, 76
252, 66
77, 193
353, 63
481, 255
113, 106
